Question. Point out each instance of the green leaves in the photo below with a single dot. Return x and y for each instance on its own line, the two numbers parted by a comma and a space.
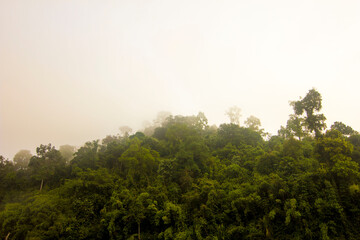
310, 104
333, 147
344, 129
138, 164
47, 166
291, 211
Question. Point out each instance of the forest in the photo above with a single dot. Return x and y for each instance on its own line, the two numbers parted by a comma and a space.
183, 179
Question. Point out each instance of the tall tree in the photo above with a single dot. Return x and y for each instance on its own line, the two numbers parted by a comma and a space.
125, 131
253, 123
310, 105
202, 121
67, 151
47, 165
22, 158
234, 114
87, 155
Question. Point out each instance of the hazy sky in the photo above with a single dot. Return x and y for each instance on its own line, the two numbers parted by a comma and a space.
73, 71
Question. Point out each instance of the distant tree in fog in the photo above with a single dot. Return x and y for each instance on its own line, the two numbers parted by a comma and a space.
234, 114
67, 152
22, 158
125, 131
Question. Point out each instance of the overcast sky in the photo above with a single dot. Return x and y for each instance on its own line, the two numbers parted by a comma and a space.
73, 71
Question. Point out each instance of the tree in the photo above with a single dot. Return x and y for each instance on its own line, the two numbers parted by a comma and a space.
22, 158
231, 133
47, 164
67, 151
311, 104
295, 127
110, 139
292, 148
335, 152
6, 170
87, 155
125, 131
234, 114
202, 121
344, 129
140, 207
160, 119
138, 164
254, 124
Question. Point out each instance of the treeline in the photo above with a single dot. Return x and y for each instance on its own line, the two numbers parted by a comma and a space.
188, 180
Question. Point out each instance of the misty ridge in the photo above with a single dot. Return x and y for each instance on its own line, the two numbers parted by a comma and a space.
180, 178
246, 148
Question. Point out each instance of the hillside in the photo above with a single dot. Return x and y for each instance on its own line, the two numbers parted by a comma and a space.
184, 179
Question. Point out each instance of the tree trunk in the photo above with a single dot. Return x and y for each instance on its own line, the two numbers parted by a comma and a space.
7, 236
41, 185
139, 230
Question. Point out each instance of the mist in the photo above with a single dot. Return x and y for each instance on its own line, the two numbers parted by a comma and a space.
71, 72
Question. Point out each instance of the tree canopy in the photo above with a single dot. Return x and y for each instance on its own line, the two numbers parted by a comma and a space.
187, 180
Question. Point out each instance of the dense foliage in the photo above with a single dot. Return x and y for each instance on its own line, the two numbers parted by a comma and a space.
190, 181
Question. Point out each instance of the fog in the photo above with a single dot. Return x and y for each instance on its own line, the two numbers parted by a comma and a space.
74, 71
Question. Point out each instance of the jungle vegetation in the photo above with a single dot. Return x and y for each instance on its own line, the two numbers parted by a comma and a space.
183, 179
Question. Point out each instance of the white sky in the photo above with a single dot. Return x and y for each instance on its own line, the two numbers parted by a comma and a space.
73, 71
